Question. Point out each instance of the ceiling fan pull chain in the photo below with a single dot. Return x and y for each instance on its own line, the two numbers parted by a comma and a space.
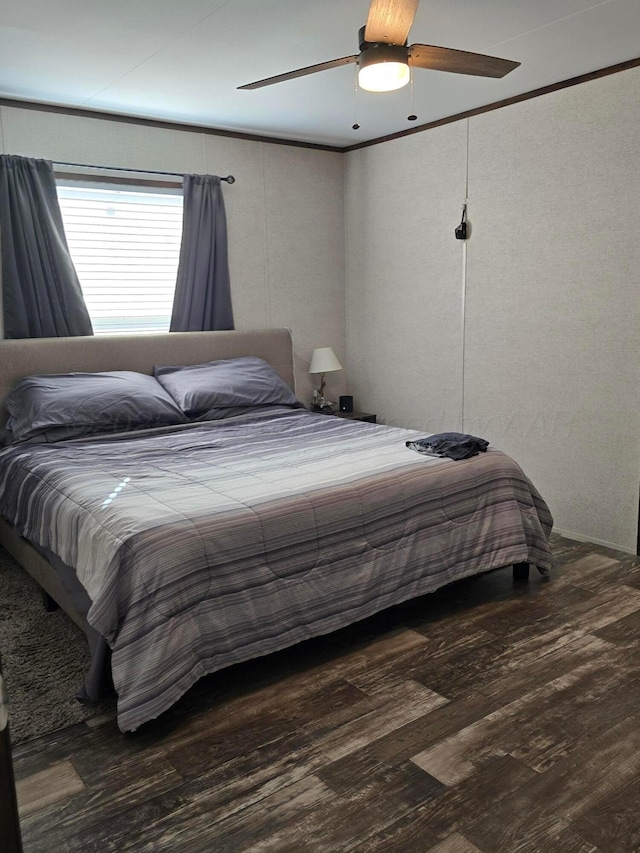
412, 116
355, 125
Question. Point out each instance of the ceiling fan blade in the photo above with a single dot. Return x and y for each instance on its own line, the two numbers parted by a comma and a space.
458, 61
301, 72
390, 20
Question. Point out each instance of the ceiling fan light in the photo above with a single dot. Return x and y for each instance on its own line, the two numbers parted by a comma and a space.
383, 76
383, 68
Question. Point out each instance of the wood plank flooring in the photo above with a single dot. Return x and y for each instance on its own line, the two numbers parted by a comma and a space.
489, 716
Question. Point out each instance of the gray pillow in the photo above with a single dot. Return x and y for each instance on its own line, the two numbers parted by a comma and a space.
220, 385
69, 405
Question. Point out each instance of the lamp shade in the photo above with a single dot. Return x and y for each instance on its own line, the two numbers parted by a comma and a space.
324, 360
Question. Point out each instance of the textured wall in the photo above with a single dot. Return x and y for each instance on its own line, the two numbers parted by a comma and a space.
551, 326
552, 370
285, 214
404, 274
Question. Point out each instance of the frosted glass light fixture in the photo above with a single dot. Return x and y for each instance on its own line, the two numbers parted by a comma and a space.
383, 68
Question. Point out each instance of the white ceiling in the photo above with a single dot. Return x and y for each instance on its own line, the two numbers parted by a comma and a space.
182, 60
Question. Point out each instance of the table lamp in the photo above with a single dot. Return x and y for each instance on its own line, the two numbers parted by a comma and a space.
323, 360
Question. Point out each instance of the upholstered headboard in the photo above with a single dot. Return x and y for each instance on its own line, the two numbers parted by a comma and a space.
20, 358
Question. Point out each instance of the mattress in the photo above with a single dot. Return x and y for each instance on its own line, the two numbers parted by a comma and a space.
208, 544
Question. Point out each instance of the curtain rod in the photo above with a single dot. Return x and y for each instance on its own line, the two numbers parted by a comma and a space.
229, 179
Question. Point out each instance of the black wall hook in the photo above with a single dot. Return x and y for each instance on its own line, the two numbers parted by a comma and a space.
461, 231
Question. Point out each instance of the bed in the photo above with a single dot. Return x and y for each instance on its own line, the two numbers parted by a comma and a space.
198, 540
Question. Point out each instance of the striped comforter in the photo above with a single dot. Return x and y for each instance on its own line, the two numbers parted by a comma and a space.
206, 545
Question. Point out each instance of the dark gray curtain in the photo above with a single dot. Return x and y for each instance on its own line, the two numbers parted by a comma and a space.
41, 294
203, 292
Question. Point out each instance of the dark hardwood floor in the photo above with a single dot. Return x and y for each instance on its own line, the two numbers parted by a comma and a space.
490, 716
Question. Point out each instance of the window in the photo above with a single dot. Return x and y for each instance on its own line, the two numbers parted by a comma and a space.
125, 246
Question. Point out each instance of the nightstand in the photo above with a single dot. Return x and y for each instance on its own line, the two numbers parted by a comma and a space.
357, 416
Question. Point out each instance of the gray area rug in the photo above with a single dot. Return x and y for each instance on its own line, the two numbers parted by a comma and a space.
44, 659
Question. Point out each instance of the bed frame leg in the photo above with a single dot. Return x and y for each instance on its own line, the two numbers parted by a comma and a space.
49, 604
521, 571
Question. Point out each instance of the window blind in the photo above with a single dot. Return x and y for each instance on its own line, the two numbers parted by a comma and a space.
125, 246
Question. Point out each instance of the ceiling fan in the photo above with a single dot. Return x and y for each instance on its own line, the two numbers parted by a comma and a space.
385, 58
